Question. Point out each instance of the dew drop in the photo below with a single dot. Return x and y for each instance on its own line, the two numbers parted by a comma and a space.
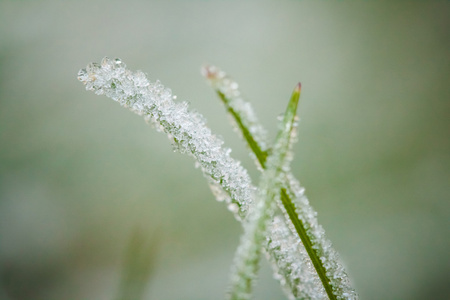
119, 64
233, 207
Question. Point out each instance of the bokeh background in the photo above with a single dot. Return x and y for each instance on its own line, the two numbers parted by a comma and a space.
79, 175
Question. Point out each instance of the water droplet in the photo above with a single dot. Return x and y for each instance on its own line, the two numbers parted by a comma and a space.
119, 64
233, 207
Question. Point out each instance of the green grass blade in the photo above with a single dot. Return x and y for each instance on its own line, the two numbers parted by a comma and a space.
299, 212
248, 254
261, 154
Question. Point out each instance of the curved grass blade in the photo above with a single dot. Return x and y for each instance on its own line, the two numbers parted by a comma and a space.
248, 254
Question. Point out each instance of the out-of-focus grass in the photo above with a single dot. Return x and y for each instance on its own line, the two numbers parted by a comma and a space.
139, 259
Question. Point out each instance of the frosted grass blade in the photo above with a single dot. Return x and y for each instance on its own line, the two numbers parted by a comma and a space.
246, 122
247, 256
186, 129
294, 203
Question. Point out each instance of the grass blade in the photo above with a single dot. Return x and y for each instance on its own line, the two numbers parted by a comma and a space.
294, 203
248, 253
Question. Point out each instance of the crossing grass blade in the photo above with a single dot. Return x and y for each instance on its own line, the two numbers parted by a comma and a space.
338, 287
248, 254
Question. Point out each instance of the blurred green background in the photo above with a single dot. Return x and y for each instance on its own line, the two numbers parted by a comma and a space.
79, 174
